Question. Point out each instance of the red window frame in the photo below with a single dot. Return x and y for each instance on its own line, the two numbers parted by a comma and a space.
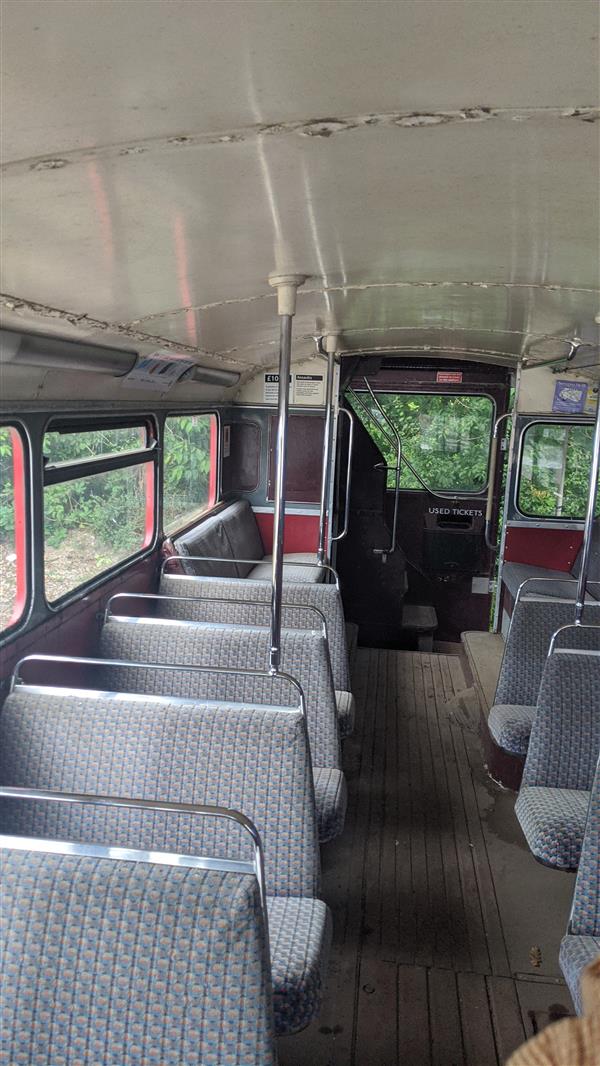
19, 460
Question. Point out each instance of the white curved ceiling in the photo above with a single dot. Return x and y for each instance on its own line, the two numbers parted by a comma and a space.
433, 166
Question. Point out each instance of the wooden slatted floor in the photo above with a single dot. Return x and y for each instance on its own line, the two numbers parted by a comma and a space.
446, 930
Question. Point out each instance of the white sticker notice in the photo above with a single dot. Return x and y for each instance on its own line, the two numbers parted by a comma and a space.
158, 372
271, 391
308, 389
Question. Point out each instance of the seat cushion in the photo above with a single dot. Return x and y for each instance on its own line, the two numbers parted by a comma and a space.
576, 952
312, 574
331, 798
300, 937
553, 821
346, 707
510, 725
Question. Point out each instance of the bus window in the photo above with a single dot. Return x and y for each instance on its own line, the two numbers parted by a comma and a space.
555, 471
446, 438
98, 502
12, 527
189, 468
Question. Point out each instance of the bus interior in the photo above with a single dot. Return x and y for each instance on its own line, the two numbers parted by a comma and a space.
299, 530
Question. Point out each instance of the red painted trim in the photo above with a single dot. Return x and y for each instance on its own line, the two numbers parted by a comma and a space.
150, 485
20, 511
301, 532
213, 459
555, 549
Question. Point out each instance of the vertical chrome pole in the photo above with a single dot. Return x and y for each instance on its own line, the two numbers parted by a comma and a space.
327, 442
589, 519
287, 286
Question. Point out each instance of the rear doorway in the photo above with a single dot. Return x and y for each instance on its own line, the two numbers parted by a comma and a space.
416, 565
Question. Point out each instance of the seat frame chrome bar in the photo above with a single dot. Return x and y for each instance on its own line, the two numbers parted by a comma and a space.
231, 562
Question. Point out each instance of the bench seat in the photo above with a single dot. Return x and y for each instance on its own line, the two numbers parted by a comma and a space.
553, 822
510, 725
557, 584
230, 535
576, 952
300, 932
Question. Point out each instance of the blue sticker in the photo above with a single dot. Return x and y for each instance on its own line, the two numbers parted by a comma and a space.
569, 397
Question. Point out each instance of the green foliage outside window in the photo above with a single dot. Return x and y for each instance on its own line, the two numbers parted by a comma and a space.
555, 471
186, 457
446, 438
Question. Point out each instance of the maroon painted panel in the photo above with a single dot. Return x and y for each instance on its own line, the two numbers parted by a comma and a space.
304, 458
241, 468
301, 532
74, 630
552, 548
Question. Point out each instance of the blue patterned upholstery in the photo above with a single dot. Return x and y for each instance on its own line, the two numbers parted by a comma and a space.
576, 952
533, 623
325, 597
562, 755
346, 709
553, 821
331, 799
116, 963
256, 761
232, 533
565, 737
582, 943
300, 933
510, 726
304, 654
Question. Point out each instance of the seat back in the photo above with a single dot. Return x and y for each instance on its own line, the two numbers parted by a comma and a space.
252, 760
593, 573
326, 598
231, 533
565, 736
117, 961
585, 911
533, 623
304, 655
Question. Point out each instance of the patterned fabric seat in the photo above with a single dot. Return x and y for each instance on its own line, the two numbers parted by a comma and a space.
300, 934
232, 533
304, 655
253, 760
325, 597
100, 955
553, 821
510, 726
331, 799
576, 952
561, 761
346, 710
582, 941
532, 626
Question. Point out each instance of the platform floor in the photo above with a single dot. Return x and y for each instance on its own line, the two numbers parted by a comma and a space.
446, 930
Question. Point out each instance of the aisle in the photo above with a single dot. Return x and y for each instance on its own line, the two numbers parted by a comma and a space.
442, 954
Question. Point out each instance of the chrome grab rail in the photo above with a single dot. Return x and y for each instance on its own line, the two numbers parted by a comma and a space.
589, 517
491, 479
16, 679
350, 417
327, 444
207, 599
248, 562
202, 810
568, 577
396, 470
572, 625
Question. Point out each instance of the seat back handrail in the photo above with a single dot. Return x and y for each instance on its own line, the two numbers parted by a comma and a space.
568, 579
207, 599
195, 668
562, 629
247, 562
166, 858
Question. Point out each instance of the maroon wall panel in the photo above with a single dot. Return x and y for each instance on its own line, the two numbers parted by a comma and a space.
552, 548
301, 532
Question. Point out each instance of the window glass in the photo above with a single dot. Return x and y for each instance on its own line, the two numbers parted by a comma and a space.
555, 471
12, 527
189, 458
94, 521
446, 438
75, 447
